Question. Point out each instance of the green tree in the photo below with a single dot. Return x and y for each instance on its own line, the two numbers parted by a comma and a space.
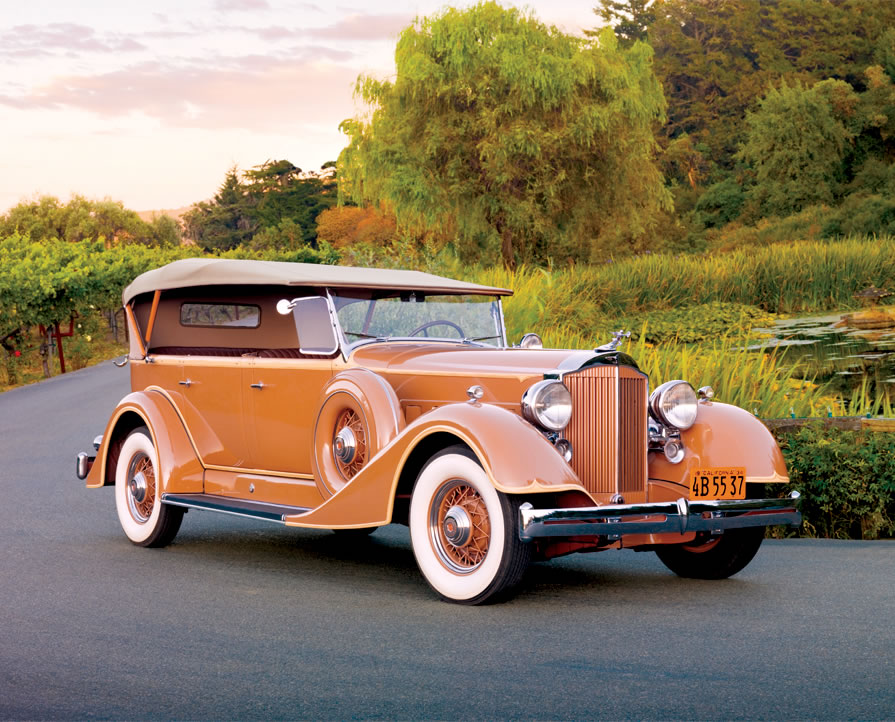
80, 218
797, 145
274, 199
631, 19
279, 192
225, 221
511, 137
165, 231
716, 58
286, 235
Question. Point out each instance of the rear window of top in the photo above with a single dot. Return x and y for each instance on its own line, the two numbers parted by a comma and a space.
220, 315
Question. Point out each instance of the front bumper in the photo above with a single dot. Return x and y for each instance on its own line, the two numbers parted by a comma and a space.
676, 517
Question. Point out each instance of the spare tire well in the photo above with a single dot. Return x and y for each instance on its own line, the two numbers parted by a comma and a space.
424, 450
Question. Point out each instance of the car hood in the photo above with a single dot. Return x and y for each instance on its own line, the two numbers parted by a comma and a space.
447, 359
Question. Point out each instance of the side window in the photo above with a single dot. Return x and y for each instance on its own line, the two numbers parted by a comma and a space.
220, 315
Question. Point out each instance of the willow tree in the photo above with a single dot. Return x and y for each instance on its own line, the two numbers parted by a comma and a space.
797, 144
503, 133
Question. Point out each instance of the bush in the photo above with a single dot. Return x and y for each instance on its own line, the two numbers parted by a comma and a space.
721, 203
862, 214
846, 478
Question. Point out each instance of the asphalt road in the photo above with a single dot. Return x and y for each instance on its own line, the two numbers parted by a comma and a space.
241, 619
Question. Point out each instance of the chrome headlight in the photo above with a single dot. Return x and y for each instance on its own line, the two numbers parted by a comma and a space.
674, 404
548, 404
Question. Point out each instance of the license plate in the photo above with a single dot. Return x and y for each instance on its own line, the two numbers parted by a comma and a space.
718, 483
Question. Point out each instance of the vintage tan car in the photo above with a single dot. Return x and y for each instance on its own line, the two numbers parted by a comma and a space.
350, 398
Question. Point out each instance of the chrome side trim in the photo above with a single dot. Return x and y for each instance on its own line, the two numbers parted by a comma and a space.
236, 507
677, 517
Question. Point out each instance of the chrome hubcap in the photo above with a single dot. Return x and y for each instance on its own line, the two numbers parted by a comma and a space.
138, 487
457, 526
345, 445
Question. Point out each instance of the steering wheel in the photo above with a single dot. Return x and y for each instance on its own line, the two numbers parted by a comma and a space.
429, 324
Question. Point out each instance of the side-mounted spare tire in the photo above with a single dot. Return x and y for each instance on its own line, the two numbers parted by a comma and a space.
359, 415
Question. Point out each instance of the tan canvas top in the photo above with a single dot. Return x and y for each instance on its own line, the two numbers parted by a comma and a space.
192, 272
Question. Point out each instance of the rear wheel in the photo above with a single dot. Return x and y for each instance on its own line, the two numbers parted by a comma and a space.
714, 558
465, 533
145, 520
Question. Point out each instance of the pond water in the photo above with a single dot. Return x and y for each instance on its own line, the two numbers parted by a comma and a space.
829, 350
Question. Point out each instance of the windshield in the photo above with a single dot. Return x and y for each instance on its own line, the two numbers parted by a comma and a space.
470, 319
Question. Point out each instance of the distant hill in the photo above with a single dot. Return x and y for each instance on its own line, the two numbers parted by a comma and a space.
175, 213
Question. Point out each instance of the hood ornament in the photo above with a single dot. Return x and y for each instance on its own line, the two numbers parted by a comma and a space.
617, 338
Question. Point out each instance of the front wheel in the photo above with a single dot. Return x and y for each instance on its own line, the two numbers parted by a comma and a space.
145, 520
717, 558
465, 533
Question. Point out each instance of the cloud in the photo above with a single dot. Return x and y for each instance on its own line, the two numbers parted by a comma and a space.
274, 33
365, 27
351, 29
251, 92
35, 41
241, 5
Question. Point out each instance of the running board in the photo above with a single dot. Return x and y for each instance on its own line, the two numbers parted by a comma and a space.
237, 507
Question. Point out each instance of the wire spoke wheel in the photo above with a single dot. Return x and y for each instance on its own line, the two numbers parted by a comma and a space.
464, 532
146, 521
141, 488
459, 527
349, 443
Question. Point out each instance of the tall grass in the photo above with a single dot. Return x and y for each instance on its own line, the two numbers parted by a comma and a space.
575, 307
782, 278
756, 381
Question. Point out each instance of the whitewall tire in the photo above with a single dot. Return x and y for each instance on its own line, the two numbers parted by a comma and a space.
145, 520
465, 533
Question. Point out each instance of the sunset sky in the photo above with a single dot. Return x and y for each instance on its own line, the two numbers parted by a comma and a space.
150, 103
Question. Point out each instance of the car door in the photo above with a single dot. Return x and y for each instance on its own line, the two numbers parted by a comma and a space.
282, 405
214, 408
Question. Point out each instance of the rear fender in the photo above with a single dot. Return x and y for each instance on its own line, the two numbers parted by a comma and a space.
515, 456
179, 467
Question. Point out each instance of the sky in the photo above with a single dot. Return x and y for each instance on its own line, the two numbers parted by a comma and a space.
150, 103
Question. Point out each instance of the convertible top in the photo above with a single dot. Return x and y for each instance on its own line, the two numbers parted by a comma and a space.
191, 272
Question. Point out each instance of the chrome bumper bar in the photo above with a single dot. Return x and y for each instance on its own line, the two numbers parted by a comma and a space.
676, 517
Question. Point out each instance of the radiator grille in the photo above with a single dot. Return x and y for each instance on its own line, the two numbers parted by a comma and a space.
608, 428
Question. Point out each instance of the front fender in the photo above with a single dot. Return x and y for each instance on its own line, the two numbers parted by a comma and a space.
516, 457
724, 436
179, 468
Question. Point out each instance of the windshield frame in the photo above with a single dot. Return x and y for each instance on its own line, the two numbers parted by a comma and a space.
500, 342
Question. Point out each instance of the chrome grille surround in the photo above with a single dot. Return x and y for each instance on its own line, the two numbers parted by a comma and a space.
608, 430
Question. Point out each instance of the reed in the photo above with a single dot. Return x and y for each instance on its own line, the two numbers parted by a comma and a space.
757, 381
782, 278
577, 306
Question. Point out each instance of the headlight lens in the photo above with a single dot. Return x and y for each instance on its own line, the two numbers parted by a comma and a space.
674, 404
548, 404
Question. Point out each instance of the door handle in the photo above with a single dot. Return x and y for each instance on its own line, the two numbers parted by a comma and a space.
187, 383
259, 385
